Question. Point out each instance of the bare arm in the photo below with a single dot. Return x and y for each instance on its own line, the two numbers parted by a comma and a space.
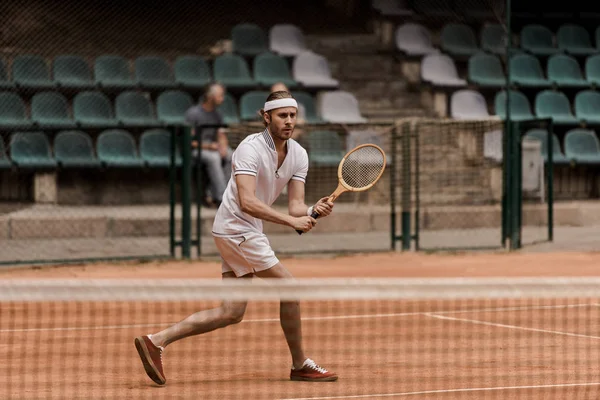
251, 205
296, 205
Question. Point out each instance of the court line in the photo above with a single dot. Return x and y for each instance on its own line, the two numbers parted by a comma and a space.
319, 318
516, 327
480, 389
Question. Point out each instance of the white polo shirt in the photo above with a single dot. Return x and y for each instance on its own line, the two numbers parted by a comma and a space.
256, 155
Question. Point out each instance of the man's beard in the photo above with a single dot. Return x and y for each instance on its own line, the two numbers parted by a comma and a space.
277, 133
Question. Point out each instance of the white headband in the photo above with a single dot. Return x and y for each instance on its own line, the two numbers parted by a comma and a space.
279, 103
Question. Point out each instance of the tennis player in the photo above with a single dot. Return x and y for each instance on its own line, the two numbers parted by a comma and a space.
262, 165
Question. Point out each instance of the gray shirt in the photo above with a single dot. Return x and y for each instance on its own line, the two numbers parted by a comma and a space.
197, 115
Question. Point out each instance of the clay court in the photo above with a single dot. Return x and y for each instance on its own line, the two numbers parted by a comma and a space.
450, 349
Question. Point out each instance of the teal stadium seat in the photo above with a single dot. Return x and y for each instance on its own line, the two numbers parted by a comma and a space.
232, 71
93, 109
564, 71
172, 105
249, 40
31, 72
574, 39
75, 149
587, 106
592, 70
527, 71
229, 110
51, 110
112, 72
5, 83
582, 147
134, 109
13, 113
192, 72
538, 40
493, 39
270, 68
250, 103
520, 109
458, 40
542, 136
326, 148
485, 70
72, 71
5, 162
554, 105
31, 150
155, 148
311, 115
154, 73
116, 148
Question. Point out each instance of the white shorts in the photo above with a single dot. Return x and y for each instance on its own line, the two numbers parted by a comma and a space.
245, 253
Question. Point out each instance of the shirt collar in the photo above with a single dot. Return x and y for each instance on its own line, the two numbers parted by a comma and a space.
268, 139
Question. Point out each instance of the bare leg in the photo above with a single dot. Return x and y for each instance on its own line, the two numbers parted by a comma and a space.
289, 315
228, 313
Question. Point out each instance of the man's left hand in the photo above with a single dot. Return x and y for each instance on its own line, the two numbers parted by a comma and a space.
324, 207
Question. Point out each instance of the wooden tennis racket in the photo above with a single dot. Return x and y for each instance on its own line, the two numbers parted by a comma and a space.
358, 171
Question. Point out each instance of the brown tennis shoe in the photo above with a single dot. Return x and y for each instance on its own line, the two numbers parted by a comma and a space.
311, 372
151, 356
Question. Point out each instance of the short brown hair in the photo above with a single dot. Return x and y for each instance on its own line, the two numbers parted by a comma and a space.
282, 94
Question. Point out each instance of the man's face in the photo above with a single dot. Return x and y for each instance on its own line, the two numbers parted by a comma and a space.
281, 122
218, 96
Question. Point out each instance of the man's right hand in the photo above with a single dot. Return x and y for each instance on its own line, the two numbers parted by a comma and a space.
303, 224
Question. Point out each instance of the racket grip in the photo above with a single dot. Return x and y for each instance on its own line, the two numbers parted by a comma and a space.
315, 215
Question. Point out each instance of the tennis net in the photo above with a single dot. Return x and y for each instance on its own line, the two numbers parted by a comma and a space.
449, 338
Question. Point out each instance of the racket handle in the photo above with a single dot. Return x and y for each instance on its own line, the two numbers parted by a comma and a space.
315, 215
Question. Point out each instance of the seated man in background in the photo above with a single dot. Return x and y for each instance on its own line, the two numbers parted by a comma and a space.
211, 143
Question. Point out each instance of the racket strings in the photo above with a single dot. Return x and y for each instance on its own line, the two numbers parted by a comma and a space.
362, 167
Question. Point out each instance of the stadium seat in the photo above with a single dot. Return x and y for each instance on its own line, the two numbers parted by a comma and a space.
592, 69
325, 148
581, 146
493, 39
542, 135
75, 149
564, 71
155, 148
72, 72
12, 111
133, 108
113, 72
527, 71
250, 103
538, 40
116, 148
414, 39
312, 71
5, 83
232, 71
587, 106
555, 105
51, 110
31, 150
458, 40
468, 104
574, 39
270, 68
192, 72
310, 108
32, 72
153, 73
440, 70
286, 40
248, 39
91, 109
229, 110
520, 109
340, 107
4, 160
485, 70
172, 105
